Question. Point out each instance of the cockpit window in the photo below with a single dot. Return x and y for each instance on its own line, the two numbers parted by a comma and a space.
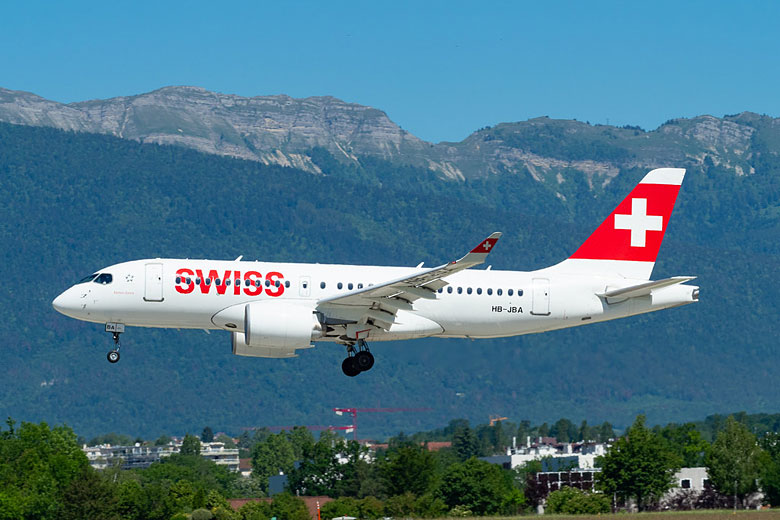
87, 278
104, 279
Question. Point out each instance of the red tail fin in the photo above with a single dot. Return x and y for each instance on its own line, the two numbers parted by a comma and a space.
627, 242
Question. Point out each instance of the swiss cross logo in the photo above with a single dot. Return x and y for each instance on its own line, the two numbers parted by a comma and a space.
487, 245
639, 222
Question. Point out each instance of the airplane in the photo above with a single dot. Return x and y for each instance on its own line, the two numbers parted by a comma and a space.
273, 309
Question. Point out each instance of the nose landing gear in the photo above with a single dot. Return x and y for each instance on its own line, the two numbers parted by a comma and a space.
357, 361
115, 329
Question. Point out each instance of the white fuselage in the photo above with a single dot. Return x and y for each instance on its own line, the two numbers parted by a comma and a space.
475, 304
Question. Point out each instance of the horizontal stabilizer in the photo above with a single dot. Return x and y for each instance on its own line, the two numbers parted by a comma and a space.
644, 289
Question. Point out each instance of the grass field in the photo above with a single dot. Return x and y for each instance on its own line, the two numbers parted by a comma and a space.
719, 514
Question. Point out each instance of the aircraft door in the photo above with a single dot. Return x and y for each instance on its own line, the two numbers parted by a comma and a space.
153, 284
304, 283
540, 297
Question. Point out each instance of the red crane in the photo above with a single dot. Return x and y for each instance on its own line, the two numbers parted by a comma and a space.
354, 411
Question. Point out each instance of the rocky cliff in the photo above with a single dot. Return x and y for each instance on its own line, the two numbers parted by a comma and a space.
283, 130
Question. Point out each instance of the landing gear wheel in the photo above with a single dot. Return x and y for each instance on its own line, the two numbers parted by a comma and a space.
349, 367
364, 360
113, 356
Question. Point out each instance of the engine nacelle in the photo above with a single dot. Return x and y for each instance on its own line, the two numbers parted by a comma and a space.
276, 325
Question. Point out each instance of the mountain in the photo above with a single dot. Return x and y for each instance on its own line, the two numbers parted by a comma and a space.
72, 202
283, 130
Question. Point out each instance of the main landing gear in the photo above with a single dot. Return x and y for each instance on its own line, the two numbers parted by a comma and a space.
115, 329
357, 361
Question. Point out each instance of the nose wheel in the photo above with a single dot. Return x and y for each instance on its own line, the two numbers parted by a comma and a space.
115, 329
357, 361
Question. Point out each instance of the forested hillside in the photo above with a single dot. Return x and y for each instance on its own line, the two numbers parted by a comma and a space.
72, 203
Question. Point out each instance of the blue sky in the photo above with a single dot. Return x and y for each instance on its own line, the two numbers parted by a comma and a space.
439, 69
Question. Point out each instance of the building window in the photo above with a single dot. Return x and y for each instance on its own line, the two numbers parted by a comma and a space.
685, 483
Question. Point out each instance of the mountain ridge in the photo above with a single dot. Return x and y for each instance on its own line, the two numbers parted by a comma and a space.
279, 129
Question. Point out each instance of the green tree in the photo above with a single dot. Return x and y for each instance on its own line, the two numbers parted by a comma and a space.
639, 465
464, 442
162, 440
734, 460
190, 445
255, 511
90, 496
288, 507
37, 466
476, 484
564, 430
319, 471
686, 442
770, 479
272, 456
301, 439
207, 435
571, 501
409, 468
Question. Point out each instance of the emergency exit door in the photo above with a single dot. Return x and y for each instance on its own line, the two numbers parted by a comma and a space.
540, 297
153, 286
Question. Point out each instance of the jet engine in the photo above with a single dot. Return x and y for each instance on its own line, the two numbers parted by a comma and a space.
276, 329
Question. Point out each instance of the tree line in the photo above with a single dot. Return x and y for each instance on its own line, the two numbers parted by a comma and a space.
44, 474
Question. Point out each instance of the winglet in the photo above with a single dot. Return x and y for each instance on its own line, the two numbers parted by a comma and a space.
479, 253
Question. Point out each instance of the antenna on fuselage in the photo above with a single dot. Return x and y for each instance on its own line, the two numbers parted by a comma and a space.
239, 258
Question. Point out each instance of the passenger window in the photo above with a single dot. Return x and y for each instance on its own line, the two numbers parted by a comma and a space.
440, 290
490, 292
468, 291
460, 290
499, 291
340, 285
178, 279
479, 290
104, 279
277, 283
227, 282
509, 292
189, 280
287, 284
519, 292
360, 286
258, 283
350, 286
268, 283
247, 282
322, 285
207, 281
449, 290
197, 281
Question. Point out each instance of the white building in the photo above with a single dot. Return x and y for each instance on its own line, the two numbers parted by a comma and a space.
557, 455
140, 456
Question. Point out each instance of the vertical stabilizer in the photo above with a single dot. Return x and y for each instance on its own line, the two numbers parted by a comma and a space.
627, 242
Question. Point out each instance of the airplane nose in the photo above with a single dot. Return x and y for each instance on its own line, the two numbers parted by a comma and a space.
65, 303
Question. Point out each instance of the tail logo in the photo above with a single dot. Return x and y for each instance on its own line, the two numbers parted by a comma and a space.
639, 222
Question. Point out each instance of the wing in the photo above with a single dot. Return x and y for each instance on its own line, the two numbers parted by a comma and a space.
378, 304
